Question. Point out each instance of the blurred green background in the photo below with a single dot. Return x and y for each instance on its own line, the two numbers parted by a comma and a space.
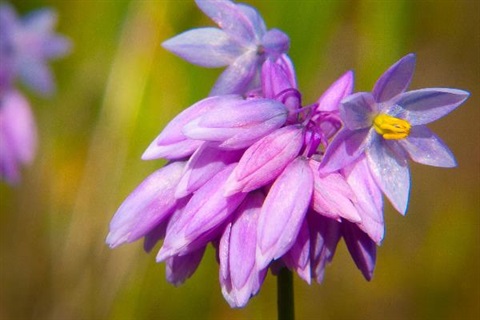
119, 88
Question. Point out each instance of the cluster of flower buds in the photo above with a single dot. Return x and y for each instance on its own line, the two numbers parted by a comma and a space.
271, 182
25, 47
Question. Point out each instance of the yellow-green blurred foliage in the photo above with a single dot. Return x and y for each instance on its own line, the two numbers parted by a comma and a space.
119, 88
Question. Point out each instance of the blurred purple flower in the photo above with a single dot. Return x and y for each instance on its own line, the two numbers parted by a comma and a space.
18, 135
27, 45
388, 125
242, 43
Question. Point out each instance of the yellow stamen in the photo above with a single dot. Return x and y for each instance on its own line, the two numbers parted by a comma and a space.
391, 128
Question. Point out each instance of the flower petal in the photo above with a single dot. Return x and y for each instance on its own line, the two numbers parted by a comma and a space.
265, 159
298, 257
369, 198
395, 80
206, 47
237, 78
389, 167
332, 196
427, 105
204, 213
238, 125
232, 18
362, 249
357, 110
424, 147
180, 268
345, 147
283, 211
147, 206
206, 162
172, 143
240, 278
324, 237
341, 88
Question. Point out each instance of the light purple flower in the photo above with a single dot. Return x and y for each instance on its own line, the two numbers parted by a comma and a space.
18, 135
242, 43
388, 125
27, 45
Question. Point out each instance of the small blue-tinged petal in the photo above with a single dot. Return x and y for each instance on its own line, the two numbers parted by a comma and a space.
425, 147
180, 268
388, 165
275, 43
237, 78
206, 47
427, 105
152, 202
324, 237
345, 147
362, 249
357, 110
37, 76
395, 80
341, 88
283, 212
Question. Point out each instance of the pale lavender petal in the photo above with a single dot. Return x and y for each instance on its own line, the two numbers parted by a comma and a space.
237, 78
341, 88
362, 249
265, 160
206, 47
150, 203
232, 18
172, 143
40, 21
395, 80
283, 211
357, 110
206, 162
180, 268
287, 65
424, 147
345, 147
18, 126
369, 198
426, 105
204, 213
389, 167
298, 257
332, 196
259, 27
238, 125
324, 237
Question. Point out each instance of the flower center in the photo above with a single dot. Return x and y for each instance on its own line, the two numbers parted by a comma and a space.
391, 128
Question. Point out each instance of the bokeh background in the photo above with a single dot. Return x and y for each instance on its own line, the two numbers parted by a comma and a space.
118, 89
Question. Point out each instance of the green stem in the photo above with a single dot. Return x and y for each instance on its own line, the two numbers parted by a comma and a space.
285, 305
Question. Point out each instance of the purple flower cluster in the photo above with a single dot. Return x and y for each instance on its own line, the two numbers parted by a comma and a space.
271, 182
25, 47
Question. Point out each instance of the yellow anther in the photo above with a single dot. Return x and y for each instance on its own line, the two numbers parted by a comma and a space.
391, 128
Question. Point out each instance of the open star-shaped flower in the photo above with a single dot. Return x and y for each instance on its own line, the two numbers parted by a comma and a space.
241, 43
388, 125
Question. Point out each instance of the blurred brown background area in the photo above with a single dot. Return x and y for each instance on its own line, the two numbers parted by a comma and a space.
119, 88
